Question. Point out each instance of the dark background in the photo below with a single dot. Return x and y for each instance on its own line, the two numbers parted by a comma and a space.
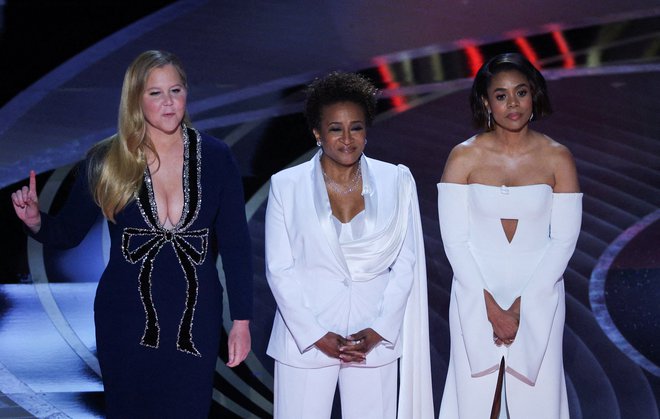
39, 35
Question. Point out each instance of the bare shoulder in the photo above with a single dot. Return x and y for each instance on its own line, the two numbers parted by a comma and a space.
556, 152
465, 150
562, 164
461, 160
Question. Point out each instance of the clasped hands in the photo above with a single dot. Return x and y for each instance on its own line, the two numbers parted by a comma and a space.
353, 348
505, 322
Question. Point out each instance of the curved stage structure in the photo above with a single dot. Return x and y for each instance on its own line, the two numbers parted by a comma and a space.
603, 80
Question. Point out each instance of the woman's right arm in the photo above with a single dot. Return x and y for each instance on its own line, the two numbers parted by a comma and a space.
283, 280
26, 204
73, 221
504, 321
468, 285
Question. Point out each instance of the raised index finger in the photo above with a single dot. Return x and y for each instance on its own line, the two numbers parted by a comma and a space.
33, 182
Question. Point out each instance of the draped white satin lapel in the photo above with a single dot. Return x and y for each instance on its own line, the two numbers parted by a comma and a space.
376, 251
370, 195
324, 210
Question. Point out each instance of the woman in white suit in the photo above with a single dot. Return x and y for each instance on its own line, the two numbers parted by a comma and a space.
345, 262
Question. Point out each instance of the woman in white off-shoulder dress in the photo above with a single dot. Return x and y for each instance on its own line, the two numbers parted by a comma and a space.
510, 213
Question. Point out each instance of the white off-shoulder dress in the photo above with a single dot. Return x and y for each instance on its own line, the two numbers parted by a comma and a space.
530, 266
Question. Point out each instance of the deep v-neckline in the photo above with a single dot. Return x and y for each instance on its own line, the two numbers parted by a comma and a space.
152, 191
190, 184
154, 202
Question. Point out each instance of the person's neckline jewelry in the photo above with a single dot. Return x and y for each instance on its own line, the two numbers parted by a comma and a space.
353, 184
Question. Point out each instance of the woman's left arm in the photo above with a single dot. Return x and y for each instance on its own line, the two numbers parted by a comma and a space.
239, 342
565, 172
540, 297
235, 249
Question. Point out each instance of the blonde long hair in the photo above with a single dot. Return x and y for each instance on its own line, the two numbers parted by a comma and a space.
117, 164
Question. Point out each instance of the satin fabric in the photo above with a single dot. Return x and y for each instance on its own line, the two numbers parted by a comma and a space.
316, 280
530, 266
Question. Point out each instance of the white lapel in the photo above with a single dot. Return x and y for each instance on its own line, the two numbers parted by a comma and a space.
324, 212
369, 193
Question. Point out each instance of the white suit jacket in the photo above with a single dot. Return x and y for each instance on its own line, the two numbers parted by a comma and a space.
378, 281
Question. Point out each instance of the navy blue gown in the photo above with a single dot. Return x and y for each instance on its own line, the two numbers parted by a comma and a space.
158, 304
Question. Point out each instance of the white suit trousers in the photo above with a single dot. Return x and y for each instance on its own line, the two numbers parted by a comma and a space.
307, 393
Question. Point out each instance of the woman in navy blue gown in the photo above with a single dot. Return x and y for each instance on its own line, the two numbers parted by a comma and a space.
173, 199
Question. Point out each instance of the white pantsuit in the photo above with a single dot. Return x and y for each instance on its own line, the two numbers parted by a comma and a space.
323, 285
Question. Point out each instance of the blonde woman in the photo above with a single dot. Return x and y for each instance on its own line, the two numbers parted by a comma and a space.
171, 196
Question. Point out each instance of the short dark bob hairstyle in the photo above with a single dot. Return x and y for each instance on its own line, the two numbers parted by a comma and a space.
507, 62
339, 87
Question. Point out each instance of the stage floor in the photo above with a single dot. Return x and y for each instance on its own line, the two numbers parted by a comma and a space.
247, 63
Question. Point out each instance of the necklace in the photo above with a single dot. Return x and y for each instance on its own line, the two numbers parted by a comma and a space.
352, 186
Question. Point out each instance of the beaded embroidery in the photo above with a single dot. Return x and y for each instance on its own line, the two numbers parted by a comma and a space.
190, 246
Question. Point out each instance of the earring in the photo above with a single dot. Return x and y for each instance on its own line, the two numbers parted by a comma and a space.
365, 141
531, 117
489, 116
318, 142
